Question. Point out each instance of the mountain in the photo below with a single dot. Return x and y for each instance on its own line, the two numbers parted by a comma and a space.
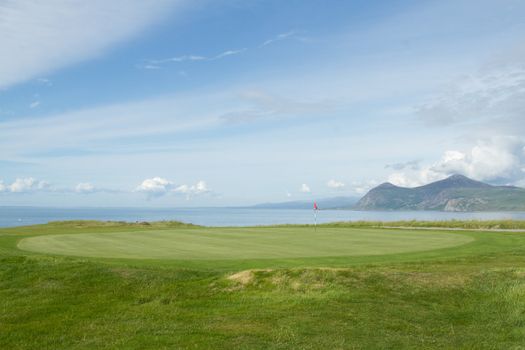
325, 203
456, 193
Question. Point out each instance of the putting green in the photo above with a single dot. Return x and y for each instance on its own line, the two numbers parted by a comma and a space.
242, 243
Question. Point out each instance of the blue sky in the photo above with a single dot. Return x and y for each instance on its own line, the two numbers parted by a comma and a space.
191, 103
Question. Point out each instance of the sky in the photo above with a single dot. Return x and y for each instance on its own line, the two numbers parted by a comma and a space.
178, 103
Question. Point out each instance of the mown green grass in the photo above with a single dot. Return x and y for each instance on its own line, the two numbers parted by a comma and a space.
469, 296
241, 243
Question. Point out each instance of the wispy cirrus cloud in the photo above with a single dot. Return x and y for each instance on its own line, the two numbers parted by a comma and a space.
159, 63
228, 53
279, 37
59, 33
119, 128
183, 58
94, 127
149, 66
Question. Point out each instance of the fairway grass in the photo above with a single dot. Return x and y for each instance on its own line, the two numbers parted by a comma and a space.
92, 285
242, 243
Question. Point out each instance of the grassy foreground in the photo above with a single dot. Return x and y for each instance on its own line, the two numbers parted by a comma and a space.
467, 295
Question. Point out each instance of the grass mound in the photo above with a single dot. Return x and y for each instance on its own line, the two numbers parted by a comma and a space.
120, 224
461, 224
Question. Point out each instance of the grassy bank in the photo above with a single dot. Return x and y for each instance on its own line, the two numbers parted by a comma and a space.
470, 296
462, 224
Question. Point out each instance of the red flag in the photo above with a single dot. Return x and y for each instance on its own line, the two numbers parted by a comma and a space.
315, 206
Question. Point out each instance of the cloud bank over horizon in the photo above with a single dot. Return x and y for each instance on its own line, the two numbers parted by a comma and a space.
497, 160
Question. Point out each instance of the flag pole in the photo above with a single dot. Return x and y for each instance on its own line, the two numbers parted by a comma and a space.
315, 216
315, 220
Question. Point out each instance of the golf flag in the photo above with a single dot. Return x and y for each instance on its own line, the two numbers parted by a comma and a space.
315, 206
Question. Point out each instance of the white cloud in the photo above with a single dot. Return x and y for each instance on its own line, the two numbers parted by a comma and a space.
25, 185
155, 186
158, 186
498, 159
32, 185
85, 187
305, 188
201, 187
335, 185
22, 185
34, 104
411, 179
88, 187
41, 36
494, 159
191, 190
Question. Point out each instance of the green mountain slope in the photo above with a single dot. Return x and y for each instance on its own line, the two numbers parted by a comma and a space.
456, 193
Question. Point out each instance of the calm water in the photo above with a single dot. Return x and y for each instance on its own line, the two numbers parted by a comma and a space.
19, 216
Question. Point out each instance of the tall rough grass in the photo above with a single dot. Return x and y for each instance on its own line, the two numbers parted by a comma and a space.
463, 224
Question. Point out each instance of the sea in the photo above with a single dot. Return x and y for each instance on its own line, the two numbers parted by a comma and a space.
22, 216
